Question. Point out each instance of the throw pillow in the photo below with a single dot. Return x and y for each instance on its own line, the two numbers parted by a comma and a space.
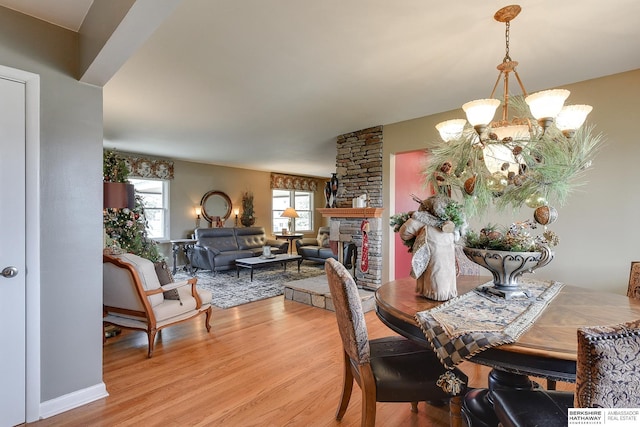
323, 240
165, 277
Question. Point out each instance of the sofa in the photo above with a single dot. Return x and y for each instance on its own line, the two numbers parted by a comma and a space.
318, 249
218, 249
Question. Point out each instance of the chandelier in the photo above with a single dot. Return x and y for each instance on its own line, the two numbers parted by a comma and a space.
532, 153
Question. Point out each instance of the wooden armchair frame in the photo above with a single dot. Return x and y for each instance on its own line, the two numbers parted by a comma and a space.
144, 318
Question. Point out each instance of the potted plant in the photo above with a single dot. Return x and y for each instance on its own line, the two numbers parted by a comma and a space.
247, 218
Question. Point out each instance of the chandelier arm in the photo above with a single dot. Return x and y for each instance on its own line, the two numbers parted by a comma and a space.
505, 102
496, 85
524, 92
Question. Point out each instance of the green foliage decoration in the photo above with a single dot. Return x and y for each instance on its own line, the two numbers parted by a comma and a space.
114, 168
126, 229
549, 165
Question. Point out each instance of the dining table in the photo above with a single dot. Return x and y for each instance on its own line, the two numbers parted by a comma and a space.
547, 349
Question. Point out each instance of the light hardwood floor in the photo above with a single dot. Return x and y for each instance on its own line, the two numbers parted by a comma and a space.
268, 363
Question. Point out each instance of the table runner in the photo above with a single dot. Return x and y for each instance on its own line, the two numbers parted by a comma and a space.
477, 320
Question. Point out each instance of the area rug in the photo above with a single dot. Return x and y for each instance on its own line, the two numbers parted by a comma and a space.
477, 320
230, 291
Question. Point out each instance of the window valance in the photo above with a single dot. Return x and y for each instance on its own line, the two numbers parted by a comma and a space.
292, 182
142, 167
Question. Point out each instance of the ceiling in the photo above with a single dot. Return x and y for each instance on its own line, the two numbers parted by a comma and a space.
269, 84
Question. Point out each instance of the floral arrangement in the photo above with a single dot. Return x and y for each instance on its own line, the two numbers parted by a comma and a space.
517, 237
449, 211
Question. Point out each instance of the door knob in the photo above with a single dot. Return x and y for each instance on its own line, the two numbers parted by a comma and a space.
9, 272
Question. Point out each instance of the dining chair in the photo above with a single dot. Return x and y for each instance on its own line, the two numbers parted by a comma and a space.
390, 369
633, 291
607, 376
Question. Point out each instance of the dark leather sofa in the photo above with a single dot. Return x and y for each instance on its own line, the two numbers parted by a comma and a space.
218, 248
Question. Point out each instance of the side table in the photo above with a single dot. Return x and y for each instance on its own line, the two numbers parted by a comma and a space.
186, 246
290, 238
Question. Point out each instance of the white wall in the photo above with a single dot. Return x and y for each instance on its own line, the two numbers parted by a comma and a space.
71, 203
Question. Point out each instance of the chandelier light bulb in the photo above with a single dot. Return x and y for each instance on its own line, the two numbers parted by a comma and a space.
546, 105
451, 130
571, 117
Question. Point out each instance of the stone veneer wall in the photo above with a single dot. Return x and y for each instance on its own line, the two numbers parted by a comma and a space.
359, 166
359, 171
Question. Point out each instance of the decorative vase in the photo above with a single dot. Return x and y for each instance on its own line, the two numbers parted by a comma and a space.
247, 221
327, 194
507, 267
334, 190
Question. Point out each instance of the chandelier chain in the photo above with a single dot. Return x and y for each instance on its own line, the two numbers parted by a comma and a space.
507, 58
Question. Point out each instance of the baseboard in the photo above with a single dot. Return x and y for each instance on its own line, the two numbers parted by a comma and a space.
72, 400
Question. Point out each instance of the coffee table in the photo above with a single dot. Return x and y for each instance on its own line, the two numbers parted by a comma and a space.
259, 261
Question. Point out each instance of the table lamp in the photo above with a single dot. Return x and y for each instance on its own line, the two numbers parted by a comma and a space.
290, 213
198, 210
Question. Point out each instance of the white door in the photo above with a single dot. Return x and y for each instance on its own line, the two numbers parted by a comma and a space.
12, 254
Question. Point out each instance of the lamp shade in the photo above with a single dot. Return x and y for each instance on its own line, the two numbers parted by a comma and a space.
571, 117
515, 132
547, 103
290, 213
118, 195
481, 111
451, 130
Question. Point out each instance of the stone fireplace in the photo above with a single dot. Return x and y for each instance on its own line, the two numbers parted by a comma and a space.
359, 171
348, 221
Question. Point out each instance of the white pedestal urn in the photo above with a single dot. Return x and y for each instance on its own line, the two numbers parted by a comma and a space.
507, 267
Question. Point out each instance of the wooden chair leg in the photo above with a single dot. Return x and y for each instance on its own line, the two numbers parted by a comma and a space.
368, 386
152, 340
414, 407
551, 385
207, 320
347, 388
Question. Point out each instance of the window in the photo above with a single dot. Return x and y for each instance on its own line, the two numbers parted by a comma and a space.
301, 201
155, 199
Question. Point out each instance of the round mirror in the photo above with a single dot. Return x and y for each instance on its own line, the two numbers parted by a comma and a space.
215, 204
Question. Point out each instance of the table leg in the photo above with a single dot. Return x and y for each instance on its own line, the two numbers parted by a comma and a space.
252, 273
187, 256
175, 248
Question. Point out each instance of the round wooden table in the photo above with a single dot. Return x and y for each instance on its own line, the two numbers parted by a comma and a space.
548, 349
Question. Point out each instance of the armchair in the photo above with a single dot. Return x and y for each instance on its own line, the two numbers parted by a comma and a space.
134, 298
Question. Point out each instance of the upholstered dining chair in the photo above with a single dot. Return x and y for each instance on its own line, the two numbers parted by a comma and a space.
391, 369
607, 376
633, 291
134, 298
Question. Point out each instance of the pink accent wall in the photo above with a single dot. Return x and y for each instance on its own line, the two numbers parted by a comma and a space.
409, 180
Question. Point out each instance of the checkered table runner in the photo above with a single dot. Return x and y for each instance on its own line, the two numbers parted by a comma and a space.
475, 321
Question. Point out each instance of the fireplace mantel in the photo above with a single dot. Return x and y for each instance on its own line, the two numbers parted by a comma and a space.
351, 212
